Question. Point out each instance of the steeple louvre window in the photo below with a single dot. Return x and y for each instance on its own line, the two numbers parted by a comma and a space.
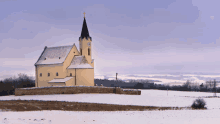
89, 51
40, 74
70, 74
57, 74
81, 51
48, 74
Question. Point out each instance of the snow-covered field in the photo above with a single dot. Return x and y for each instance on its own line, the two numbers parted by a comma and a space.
121, 117
147, 97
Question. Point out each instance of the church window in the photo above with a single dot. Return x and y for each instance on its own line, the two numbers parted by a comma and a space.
81, 51
89, 51
40, 74
57, 74
48, 74
70, 74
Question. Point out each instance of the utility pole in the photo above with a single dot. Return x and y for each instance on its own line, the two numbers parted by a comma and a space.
215, 86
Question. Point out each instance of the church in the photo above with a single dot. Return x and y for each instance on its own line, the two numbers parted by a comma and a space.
66, 65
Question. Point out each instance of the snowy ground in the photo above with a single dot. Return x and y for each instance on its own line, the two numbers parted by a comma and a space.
147, 98
123, 117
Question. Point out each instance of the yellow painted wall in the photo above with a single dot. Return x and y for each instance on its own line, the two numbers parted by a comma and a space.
52, 69
70, 71
85, 77
83, 45
70, 57
57, 84
71, 82
92, 64
36, 78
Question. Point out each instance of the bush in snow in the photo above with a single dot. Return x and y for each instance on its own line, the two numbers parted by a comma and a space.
199, 104
139, 86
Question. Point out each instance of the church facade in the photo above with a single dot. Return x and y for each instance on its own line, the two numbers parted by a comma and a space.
66, 65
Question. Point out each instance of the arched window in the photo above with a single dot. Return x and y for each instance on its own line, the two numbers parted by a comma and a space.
70, 74
57, 74
48, 74
81, 51
89, 51
40, 74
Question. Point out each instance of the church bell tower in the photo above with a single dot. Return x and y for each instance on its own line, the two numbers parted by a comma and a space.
85, 43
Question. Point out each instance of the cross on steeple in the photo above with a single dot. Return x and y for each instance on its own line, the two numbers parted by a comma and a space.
84, 15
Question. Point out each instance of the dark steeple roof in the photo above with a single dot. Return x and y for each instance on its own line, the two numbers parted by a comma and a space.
85, 32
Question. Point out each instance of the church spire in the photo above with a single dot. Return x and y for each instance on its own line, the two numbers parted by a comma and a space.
85, 32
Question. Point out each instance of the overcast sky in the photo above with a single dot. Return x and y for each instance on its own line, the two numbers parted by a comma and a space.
129, 37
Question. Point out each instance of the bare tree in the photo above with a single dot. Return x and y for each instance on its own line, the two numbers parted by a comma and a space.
187, 84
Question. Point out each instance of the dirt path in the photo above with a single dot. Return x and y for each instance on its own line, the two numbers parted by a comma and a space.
35, 105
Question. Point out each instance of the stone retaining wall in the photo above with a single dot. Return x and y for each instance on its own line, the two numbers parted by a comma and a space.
74, 90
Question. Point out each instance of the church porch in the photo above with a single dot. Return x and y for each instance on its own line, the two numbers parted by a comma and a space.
68, 81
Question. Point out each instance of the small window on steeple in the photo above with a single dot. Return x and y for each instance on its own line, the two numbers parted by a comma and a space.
89, 51
59, 57
81, 51
57, 74
45, 58
70, 74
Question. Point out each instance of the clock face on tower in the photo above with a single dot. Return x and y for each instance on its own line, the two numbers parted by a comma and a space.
89, 44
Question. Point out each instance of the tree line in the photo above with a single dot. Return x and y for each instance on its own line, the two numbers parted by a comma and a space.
208, 86
8, 85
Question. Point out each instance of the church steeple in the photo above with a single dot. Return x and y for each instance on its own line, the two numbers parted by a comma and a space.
84, 32
85, 43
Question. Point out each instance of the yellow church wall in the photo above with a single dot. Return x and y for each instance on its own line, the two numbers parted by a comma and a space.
57, 84
36, 78
85, 77
70, 82
92, 64
70, 71
52, 69
70, 57
83, 45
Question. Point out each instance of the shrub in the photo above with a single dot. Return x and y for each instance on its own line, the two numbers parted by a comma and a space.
139, 86
199, 104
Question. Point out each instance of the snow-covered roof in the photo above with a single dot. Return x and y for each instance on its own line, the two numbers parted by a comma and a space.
54, 55
58, 80
79, 62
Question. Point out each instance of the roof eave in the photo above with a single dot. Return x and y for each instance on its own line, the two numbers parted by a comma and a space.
49, 64
41, 55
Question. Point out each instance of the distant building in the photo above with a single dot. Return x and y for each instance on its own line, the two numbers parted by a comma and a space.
65, 65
